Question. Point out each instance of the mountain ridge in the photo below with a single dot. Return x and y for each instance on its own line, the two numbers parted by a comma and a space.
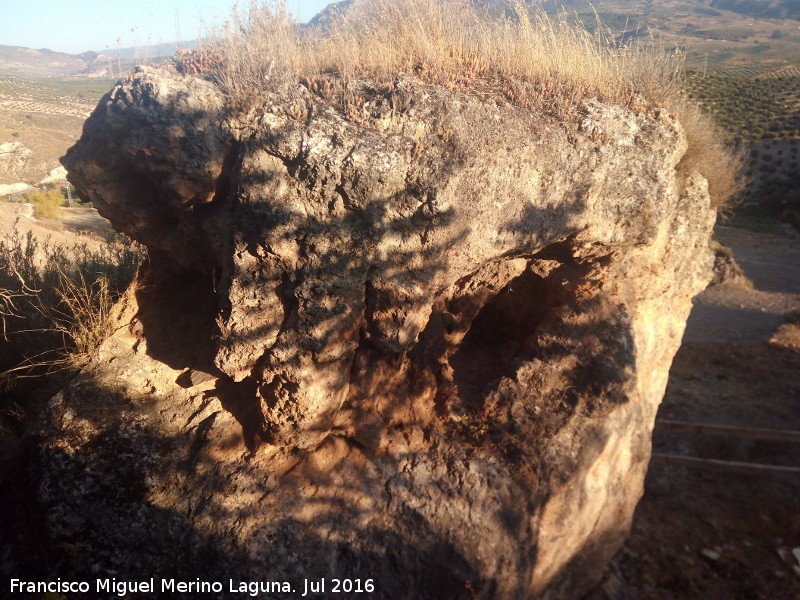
39, 63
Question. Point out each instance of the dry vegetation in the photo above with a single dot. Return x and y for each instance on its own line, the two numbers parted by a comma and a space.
55, 305
444, 42
526, 58
722, 165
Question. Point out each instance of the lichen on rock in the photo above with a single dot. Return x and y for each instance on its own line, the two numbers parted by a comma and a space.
423, 343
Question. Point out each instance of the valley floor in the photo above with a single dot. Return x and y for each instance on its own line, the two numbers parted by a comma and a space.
79, 225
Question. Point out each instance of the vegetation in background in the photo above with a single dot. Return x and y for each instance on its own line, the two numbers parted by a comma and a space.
775, 9
748, 108
79, 90
514, 55
45, 116
762, 113
46, 203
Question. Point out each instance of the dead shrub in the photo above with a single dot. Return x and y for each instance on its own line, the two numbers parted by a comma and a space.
55, 302
82, 316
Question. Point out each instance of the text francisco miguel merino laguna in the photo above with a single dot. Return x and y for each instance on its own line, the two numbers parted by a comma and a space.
251, 588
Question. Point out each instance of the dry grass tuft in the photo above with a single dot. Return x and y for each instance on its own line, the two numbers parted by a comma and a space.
55, 303
723, 166
526, 57
83, 316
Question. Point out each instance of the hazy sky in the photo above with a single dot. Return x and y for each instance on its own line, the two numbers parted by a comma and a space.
75, 26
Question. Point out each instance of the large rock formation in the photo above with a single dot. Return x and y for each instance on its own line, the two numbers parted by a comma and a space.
400, 333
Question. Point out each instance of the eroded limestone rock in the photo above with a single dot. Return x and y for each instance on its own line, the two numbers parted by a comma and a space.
420, 340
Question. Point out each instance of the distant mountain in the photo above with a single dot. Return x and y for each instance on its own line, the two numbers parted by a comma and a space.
110, 62
37, 64
142, 52
761, 9
330, 14
27, 62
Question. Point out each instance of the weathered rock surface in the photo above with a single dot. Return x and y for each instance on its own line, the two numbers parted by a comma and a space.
410, 335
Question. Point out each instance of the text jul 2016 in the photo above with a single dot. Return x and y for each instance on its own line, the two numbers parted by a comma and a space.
122, 588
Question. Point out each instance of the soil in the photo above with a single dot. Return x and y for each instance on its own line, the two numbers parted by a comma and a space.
718, 535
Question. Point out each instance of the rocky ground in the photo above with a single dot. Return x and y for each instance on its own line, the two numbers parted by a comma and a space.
725, 535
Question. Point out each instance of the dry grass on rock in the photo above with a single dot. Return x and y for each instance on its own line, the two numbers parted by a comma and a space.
446, 42
521, 55
723, 166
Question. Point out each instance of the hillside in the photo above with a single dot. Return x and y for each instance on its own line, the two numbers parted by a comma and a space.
772, 9
715, 34
45, 96
44, 63
39, 120
27, 62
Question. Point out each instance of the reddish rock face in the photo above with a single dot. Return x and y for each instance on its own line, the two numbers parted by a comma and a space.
421, 342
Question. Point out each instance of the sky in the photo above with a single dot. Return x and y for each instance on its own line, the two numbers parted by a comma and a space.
75, 26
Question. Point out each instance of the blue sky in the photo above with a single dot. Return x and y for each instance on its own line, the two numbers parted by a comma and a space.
75, 26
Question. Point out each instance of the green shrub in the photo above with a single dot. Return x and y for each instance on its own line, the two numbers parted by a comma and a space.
46, 203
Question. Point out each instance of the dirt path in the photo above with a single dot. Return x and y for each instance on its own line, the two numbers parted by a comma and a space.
723, 535
738, 314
